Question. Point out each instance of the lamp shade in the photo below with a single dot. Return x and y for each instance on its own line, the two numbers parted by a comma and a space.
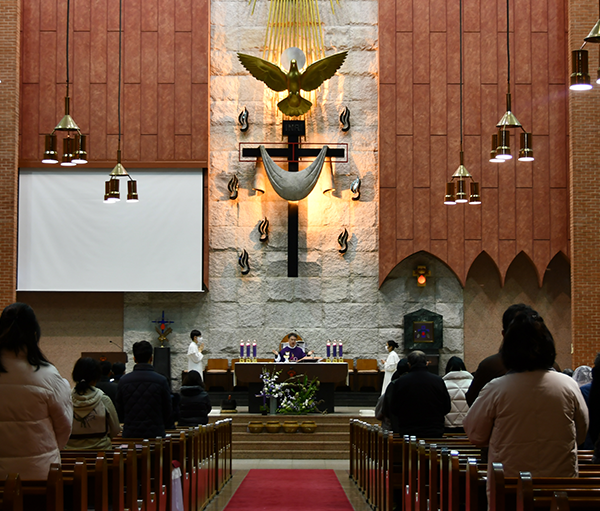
80, 154
67, 157
461, 191
526, 152
132, 195
580, 77
50, 153
503, 149
493, 157
449, 197
474, 198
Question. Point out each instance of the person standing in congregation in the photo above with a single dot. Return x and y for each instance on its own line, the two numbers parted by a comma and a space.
144, 398
195, 356
95, 419
458, 381
390, 364
534, 417
35, 400
194, 405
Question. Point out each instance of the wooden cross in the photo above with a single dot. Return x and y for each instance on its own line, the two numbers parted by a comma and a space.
293, 130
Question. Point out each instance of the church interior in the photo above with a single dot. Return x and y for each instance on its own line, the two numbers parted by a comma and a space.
161, 97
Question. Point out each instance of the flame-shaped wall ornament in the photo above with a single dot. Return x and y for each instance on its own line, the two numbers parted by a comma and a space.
243, 120
343, 241
345, 119
263, 229
243, 262
355, 188
233, 187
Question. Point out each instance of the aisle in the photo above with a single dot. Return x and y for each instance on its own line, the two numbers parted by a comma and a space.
289, 490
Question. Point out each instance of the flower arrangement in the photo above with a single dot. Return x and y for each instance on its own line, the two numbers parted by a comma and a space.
297, 394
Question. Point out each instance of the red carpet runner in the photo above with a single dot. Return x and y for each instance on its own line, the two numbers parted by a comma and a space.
290, 490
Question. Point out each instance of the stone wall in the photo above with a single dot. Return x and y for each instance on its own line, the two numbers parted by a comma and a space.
335, 296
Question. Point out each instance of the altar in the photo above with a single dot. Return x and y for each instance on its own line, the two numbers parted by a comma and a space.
328, 374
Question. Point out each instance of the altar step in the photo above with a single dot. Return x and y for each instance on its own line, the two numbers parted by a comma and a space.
331, 440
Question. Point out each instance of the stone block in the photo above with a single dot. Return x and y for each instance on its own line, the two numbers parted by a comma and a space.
334, 264
307, 289
452, 314
366, 264
364, 290
251, 315
365, 239
280, 289
335, 289
224, 238
448, 290
364, 213
453, 339
350, 314
391, 314
225, 290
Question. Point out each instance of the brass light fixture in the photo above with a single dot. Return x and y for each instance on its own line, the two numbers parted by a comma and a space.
111, 187
509, 120
74, 143
580, 78
456, 189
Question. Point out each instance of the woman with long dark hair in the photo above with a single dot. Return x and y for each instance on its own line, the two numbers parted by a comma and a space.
457, 380
194, 405
95, 419
35, 400
533, 417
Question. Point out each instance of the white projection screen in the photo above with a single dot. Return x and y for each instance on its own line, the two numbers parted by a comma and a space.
70, 240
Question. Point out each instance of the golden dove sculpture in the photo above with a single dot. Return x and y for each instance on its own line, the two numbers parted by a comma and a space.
294, 80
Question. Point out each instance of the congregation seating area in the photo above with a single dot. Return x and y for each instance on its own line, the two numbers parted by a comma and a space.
449, 474
136, 475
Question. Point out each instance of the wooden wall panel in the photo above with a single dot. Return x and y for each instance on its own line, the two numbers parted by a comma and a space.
165, 50
524, 205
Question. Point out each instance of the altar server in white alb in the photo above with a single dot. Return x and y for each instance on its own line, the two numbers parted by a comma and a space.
195, 356
390, 364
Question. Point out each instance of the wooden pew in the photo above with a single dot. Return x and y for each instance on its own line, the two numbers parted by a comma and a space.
539, 493
11, 497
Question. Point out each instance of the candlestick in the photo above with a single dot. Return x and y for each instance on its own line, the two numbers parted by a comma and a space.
341, 350
328, 349
254, 349
241, 349
335, 350
248, 349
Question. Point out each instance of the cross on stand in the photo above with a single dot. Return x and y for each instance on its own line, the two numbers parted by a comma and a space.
293, 130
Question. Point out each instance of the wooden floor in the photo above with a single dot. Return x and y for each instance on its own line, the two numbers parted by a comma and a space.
241, 468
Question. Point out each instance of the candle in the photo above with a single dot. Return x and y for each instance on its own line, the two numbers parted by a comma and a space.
254, 349
241, 349
334, 350
248, 349
328, 349
341, 349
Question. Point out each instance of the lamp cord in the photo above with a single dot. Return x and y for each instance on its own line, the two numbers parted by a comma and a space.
461, 72
508, 41
67, 40
120, 65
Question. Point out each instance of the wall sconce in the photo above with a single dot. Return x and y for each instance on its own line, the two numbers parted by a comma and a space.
243, 262
345, 119
263, 229
343, 241
355, 188
243, 120
421, 273
74, 149
233, 187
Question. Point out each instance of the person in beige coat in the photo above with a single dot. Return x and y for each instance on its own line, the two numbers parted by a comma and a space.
35, 400
533, 417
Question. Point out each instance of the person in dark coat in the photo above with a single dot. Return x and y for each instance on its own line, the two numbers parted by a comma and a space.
194, 404
418, 402
144, 398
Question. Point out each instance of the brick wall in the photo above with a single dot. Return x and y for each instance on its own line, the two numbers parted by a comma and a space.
10, 22
584, 113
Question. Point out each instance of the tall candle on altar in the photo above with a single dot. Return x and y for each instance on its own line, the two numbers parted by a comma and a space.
328, 349
341, 349
254, 349
248, 349
241, 349
334, 350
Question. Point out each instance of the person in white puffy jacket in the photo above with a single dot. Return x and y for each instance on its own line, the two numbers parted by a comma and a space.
457, 380
35, 400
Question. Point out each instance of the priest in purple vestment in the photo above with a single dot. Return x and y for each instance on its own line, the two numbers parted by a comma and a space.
295, 352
